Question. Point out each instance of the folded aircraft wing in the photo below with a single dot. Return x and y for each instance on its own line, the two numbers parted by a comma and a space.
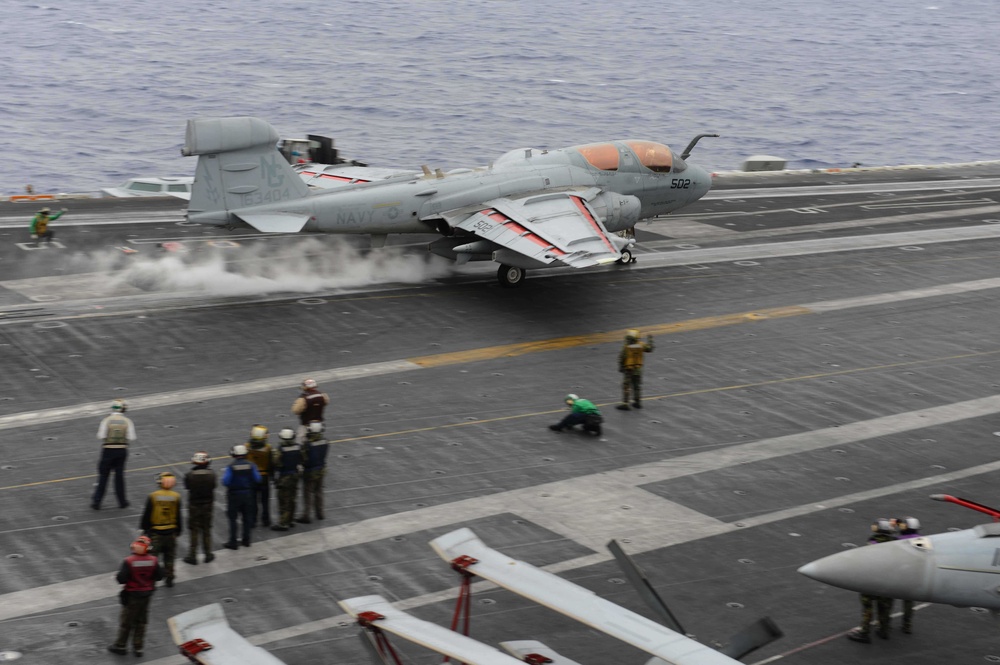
332, 176
428, 635
574, 601
205, 637
554, 228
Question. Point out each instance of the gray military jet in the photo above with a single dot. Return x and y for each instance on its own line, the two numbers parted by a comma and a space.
528, 209
960, 568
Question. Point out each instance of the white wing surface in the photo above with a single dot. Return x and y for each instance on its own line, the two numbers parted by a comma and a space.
557, 228
428, 635
576, 602
228, 647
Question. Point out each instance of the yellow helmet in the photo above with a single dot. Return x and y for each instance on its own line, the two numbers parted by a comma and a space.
632, 335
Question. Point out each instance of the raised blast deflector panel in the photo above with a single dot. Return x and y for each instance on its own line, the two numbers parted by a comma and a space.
207, 136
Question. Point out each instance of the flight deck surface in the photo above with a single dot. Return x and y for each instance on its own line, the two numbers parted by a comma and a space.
823, 357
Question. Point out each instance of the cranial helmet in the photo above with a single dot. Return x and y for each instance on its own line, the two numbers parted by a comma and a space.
258, 433
45, 211
166, 480
200, 457
239, 450
911, 523
141, 545
571, 398
883, 525
119, 405
309, 383
287, 434
632, 335
316, 427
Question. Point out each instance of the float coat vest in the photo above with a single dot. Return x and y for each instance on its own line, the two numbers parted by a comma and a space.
315, 401
141, 572
117, 431
242, 476
200, 483
262, 458
166, 510
633, 355
289, 460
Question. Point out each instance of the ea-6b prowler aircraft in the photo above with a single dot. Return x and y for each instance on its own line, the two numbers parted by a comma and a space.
960, 568
529, 209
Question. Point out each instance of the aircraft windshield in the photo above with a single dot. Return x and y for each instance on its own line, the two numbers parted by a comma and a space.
654, 156
603, 156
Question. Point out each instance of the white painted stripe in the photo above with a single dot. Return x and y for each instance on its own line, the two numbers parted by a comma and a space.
206, 393
820, 246
846, 224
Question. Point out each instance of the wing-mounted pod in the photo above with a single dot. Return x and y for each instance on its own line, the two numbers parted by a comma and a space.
617, 211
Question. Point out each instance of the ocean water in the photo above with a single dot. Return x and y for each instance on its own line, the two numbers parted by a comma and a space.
94, 92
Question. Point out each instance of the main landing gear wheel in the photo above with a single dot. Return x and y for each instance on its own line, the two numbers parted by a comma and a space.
626, 257
510, 276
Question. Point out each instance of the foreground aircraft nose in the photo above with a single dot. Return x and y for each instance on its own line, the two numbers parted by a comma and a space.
894, 570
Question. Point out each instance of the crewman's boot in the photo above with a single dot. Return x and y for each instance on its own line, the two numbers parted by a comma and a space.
622, 407
191, 560
121, 651
859, 636
231, 545
303, 520
209, 558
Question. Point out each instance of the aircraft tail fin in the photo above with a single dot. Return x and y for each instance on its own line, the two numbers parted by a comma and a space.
239, 166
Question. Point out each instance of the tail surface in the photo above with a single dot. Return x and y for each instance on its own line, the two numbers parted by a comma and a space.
239, 167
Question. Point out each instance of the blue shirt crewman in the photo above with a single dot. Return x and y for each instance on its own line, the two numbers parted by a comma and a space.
240, 478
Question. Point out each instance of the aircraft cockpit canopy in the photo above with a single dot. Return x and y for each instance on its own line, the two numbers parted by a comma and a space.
603, 156
656, 157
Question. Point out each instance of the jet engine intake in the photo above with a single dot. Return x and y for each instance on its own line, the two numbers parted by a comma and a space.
617, 211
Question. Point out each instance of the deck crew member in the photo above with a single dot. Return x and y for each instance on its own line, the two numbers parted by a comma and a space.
909, 527
309, 405
287, 470
581, 412
115, 432
630, 365
200, 483
139, 572
260, 453
161, 521
40, 225
240, 478
313, 472
883, 531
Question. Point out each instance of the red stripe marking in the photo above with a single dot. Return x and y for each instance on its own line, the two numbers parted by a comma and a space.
504, 220
593, 222
336, 177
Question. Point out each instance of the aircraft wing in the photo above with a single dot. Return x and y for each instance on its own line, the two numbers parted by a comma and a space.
226, 646
576, 602
556, 228
428, 635
331, 176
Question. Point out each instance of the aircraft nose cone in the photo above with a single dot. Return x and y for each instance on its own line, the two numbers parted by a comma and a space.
888, 569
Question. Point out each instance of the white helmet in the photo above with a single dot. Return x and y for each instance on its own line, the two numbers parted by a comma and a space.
119, 405
316, 427
239, 450
309, 384
200, 457
287, 434
258, 433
